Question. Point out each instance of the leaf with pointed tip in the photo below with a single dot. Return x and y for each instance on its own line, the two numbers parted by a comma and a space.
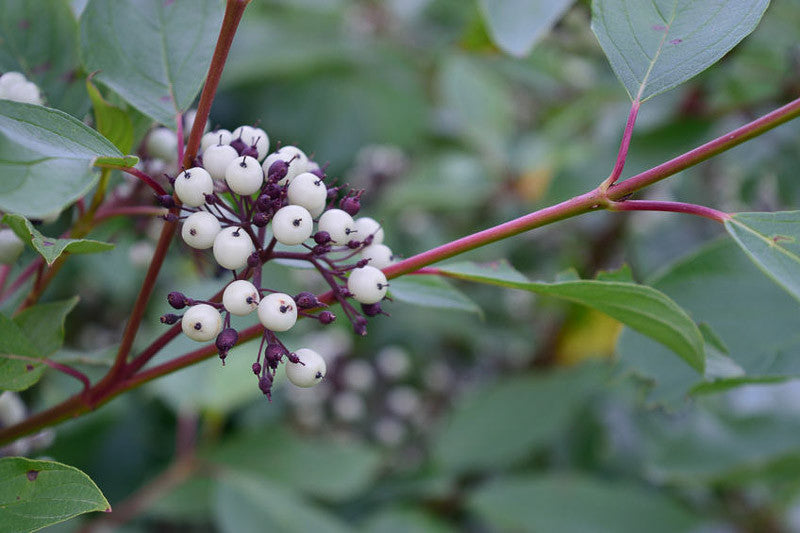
640, 307
655, 45
111, 121
36, 494
517, 25
51, 248
771, 241
152, 53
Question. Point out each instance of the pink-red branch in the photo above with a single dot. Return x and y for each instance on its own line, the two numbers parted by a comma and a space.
624, 146
153, 184
673, 207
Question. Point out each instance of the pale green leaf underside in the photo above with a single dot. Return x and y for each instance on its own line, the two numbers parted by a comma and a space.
770, 240
517, 25
52, 248
36, 494
640, 307
657, 44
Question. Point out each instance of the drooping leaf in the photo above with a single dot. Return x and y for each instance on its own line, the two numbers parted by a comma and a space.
431, 291
45, 159
111, 121
43, 324
655, 45
771, 241
52, 248
39, 38
575, 504
640, 307
517, 25
36, 494
152, 53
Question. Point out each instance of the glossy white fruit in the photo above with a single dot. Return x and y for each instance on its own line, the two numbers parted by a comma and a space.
339, 226
215, 137
366, 226
240, 297
201, 323
368, 285
244, 176
310, 371
11, 246
379, 255
232, 247
200, 229
162, 143
309, 191
292, 224
192, 185
277, 311
216, 159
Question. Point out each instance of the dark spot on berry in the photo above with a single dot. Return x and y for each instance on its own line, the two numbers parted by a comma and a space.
318, 375
198, 326
192, 232
32, 475
296, 222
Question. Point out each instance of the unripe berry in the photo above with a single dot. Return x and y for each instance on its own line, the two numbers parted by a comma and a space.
216, 159
166, 200
11, 246
371, 309
162, 143
368, 285
307, 300
256, 368
309, 191
200, 229
240, 298
232, 247
379, 255
309, 371
322, 237
366, 226
226, 340
261, 219
215, 137
295, 158
177, 300
254, 137
201, 323
244, 176
192, 186
338, 224
170, 319
277, 312
292, 225
350, 205
326, 317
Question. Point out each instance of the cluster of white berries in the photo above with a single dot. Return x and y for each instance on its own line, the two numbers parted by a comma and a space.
240, 201
16, 87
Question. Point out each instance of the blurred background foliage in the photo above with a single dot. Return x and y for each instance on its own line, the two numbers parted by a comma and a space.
506, 412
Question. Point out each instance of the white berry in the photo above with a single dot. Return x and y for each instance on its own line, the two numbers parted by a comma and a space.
296, 159
251, 136
379, 255
292, 224
309, 191
240, 298
200, 229
309, 371
244, 176
277, 311
368, 285
188, 122
366, 226
162, 143
215, 137
201, 323
192, 186
338, 224
10, 79
232, 247
11, 246
216, 159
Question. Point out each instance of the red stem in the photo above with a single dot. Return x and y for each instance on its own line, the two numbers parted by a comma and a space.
674, 207
29, 271
153, 184
179, 131
68, 370
5, 270
624, 146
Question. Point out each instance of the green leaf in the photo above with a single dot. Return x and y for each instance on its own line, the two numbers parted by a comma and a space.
111, 121
152, 53
40, 39
575, 504
517, 25
399, 520
640, 307
244, 503
45, 159
654, 46
431, 291
51, 248
36, 494
486, 431
770, 240
36, 332
126, 161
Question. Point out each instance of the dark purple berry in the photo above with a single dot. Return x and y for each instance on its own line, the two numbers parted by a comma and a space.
226, 340
211, 199
321, 249
170, 319
251, 151
265, 384
169, 217
322, 237
273, 190
350, 205
253, 260
360, 325
318, 172
326, 317
371, 309
166, 200
261, 219
354, 245
177, 300
263, 202
307, 300
256, 368
277, 170
239, 145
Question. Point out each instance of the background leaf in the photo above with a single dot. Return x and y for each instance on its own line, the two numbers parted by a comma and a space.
111, 121
50, 248
431, 291
656, 45
154, 54
36, 494
516, 25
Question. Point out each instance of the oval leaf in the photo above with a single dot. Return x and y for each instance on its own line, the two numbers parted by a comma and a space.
640, 307
152, 53
654, 46
36, 494
517, 25
431, 291
52, 248
771, 241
